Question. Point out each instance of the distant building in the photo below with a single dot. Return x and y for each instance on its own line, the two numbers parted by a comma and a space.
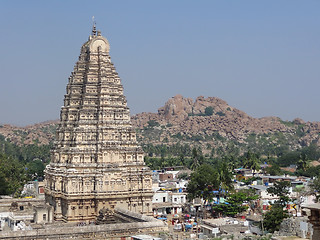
33, 188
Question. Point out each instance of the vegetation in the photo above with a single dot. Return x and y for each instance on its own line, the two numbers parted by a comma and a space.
273, 170
206, 179
234, 204
275, 216
26, 152
19, 164
208, 111
153, 123
249, 181
221, 114
34, 169
197, 159
184, 176
192, 150
191, 156
251, 162
202, 183
279, 148
12, 175
315, 187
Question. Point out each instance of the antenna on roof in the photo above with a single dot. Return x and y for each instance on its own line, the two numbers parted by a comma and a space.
93, 27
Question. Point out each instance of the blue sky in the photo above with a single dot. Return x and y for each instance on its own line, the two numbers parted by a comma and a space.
262, 57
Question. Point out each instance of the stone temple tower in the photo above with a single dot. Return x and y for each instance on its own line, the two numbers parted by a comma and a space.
96, 161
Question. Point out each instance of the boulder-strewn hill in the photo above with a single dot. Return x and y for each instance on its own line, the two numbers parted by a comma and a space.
211, 122
40, 133
208, 122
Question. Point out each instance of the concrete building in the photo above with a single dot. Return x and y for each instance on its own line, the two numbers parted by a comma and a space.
34, 189
96, 161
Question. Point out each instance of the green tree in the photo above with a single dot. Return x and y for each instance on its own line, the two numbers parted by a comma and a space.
249, 181
183, 176
202, 183
281, 190
251, 162
315, 187
206, 178
197, 159
275, 216
224, 173
273, 170
311, 172
153, 123
35, 169
235, 203
4, 185
182, 159
208, 111
12, 175
303, 163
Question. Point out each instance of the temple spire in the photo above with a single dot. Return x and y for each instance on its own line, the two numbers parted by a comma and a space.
96, 159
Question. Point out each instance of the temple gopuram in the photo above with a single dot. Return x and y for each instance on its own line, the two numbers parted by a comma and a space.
96, 162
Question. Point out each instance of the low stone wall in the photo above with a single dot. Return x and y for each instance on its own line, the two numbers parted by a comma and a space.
292, 227
132, 216
27, 203
148, 225
112, 231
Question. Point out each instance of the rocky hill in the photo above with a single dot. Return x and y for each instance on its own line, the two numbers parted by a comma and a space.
208, 122
211, 122
40, 133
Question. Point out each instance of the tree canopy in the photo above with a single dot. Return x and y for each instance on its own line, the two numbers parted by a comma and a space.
12, 175
275, 216
234, 203
315, 187
206, 179
281, 190
251, 162
202, 183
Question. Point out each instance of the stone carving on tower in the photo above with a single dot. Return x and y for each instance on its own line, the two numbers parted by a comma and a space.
96, 162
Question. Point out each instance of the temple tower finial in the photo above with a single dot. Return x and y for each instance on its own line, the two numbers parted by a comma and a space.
94, 31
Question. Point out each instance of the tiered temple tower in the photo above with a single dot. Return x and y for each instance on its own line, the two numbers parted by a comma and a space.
96, 161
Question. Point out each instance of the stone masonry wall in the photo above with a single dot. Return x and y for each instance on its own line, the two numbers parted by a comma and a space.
112, 231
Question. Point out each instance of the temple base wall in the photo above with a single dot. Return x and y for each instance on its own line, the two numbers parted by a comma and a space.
87, 210
141, 225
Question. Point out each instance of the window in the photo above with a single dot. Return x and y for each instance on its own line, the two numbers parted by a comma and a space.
44, 217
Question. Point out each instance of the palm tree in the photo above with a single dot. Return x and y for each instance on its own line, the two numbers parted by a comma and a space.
225, 176
303, 163
251, 162
197, 159
182, 160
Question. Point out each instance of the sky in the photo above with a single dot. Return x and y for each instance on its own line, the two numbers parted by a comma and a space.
262, 57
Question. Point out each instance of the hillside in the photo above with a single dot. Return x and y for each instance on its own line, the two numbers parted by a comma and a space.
210, 123
40, 133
